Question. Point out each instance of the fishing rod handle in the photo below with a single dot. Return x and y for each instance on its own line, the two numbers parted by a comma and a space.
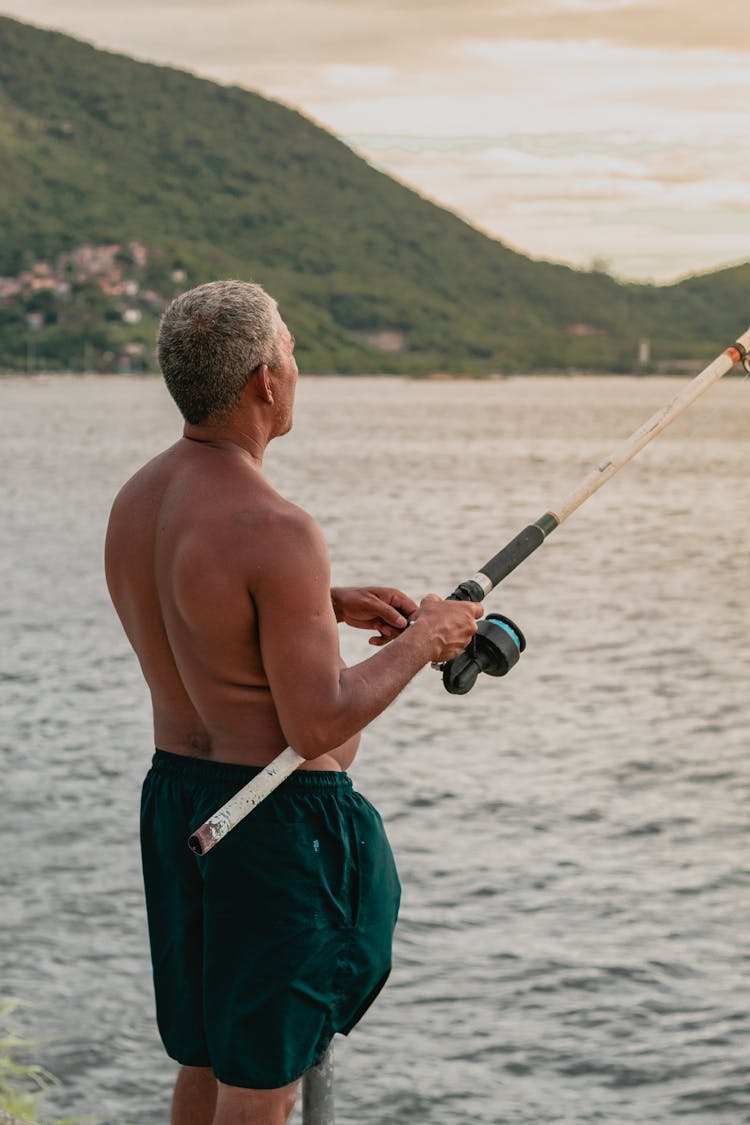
498, 642
477, 588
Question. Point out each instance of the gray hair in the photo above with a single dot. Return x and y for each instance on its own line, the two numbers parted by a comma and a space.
211, 339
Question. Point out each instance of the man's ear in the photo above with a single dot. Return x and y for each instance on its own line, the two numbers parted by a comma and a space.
263, 383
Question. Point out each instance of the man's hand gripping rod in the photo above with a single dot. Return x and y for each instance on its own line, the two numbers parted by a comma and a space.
498, 643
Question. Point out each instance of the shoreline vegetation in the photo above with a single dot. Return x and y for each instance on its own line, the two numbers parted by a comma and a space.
95, 310
123, 183
102, 304
23, 1084
678, 371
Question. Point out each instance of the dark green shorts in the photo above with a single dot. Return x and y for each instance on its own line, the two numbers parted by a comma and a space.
281, 935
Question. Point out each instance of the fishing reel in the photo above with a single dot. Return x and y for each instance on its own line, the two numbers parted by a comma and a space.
495, 648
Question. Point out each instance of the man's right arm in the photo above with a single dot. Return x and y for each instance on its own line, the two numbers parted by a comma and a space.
319, 704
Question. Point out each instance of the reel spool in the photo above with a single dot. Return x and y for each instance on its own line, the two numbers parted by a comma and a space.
495, 649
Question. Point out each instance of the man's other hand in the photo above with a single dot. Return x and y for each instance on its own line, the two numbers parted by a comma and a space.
380, 608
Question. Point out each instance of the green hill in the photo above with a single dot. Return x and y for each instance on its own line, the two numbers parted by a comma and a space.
99, 150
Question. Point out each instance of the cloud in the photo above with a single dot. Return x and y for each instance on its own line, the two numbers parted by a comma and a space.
539, 87
653, 211
245, 40
358, 77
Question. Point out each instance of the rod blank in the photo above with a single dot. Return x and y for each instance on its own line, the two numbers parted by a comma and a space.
651, 429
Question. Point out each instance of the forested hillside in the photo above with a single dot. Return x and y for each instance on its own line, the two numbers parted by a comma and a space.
123, 182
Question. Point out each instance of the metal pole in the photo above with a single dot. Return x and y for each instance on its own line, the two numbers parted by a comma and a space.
318, 1093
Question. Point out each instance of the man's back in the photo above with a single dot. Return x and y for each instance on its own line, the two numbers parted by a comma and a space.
179, 556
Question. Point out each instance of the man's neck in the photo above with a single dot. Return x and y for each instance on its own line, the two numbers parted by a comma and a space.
226, 435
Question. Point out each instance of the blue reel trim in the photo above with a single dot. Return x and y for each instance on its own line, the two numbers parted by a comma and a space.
497, 620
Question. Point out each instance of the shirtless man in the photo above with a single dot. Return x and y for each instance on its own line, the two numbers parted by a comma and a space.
281, 935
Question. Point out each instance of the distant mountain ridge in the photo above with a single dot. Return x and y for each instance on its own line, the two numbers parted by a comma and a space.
99, 150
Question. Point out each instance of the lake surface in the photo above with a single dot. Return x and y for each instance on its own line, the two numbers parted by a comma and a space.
573, 840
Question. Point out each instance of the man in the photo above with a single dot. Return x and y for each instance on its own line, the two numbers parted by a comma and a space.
281, 935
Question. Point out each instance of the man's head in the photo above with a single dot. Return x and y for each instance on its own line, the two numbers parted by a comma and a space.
211, 342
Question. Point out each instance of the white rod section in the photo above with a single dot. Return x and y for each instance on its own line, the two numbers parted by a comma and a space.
650, 429
244, 801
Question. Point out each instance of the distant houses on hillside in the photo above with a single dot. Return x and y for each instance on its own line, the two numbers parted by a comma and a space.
110, 267
70, 307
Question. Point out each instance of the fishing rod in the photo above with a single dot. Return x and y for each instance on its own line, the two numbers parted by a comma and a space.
498, 642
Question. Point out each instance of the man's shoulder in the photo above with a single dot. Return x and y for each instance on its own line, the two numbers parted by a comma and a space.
278, 522
143, 479
274, 543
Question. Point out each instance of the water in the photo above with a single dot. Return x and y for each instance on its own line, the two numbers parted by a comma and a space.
573, 841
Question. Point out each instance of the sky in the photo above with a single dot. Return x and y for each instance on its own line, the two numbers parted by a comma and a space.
611, 134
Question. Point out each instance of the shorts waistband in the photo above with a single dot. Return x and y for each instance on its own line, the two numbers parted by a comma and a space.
198, 769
